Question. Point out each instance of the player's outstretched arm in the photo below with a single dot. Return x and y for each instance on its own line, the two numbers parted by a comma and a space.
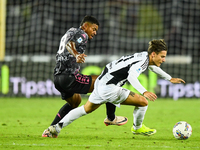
177, 80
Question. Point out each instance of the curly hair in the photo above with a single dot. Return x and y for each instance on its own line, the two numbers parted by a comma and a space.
157, 46
89, 19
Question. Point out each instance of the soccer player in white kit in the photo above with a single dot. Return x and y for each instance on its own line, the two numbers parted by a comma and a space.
108, 87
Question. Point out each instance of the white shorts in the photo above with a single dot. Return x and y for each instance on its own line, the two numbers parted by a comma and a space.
108, 93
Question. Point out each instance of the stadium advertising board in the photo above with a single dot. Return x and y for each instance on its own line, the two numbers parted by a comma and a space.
176, 91
20, 86
31, 88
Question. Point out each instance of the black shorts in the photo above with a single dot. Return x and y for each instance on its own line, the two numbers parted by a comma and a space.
68, 84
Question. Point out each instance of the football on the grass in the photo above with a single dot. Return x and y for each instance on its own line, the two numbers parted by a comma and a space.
182, 130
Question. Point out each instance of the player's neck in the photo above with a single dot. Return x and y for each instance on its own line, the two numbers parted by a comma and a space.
150, 60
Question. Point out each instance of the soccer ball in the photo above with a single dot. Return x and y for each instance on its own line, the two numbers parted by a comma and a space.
182, 130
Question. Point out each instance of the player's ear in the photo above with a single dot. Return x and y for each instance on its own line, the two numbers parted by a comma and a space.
153, 54
85, 26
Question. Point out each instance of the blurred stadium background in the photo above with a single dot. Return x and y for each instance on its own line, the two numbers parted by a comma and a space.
31, 32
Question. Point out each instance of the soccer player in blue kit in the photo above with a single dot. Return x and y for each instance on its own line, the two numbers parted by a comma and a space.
108, 87
67, 78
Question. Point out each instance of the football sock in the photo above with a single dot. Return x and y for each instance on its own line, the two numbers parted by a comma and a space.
62, 112
138, 116
110, 109
72, 115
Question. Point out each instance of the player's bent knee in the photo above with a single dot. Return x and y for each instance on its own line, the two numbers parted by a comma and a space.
77, 100
74, 101
144, 101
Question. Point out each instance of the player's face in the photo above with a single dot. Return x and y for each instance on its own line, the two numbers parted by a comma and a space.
91, 30
158, 59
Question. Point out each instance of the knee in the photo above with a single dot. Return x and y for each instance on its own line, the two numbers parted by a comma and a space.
74, 101
144, 101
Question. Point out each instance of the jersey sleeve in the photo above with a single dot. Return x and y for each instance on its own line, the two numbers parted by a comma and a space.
132, 78
160, 72
80, 40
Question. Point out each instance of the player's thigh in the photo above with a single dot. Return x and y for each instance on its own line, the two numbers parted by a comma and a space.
136, 100
94, 77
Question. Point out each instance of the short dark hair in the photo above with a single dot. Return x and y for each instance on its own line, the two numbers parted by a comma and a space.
89, 19
157, 46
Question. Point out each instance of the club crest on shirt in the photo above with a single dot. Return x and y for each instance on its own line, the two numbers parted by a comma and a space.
79, 40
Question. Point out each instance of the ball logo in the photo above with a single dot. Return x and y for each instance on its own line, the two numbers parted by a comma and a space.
182, 130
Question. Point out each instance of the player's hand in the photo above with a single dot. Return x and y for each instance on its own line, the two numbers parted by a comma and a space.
177, 80
149, 95
80, 58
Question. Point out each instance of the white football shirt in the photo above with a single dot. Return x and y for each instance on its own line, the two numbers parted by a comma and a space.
128, 68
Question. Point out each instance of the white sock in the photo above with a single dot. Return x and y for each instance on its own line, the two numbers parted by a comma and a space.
72, 115
138, 116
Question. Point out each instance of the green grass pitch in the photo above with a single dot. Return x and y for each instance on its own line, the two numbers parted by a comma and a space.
22, 122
